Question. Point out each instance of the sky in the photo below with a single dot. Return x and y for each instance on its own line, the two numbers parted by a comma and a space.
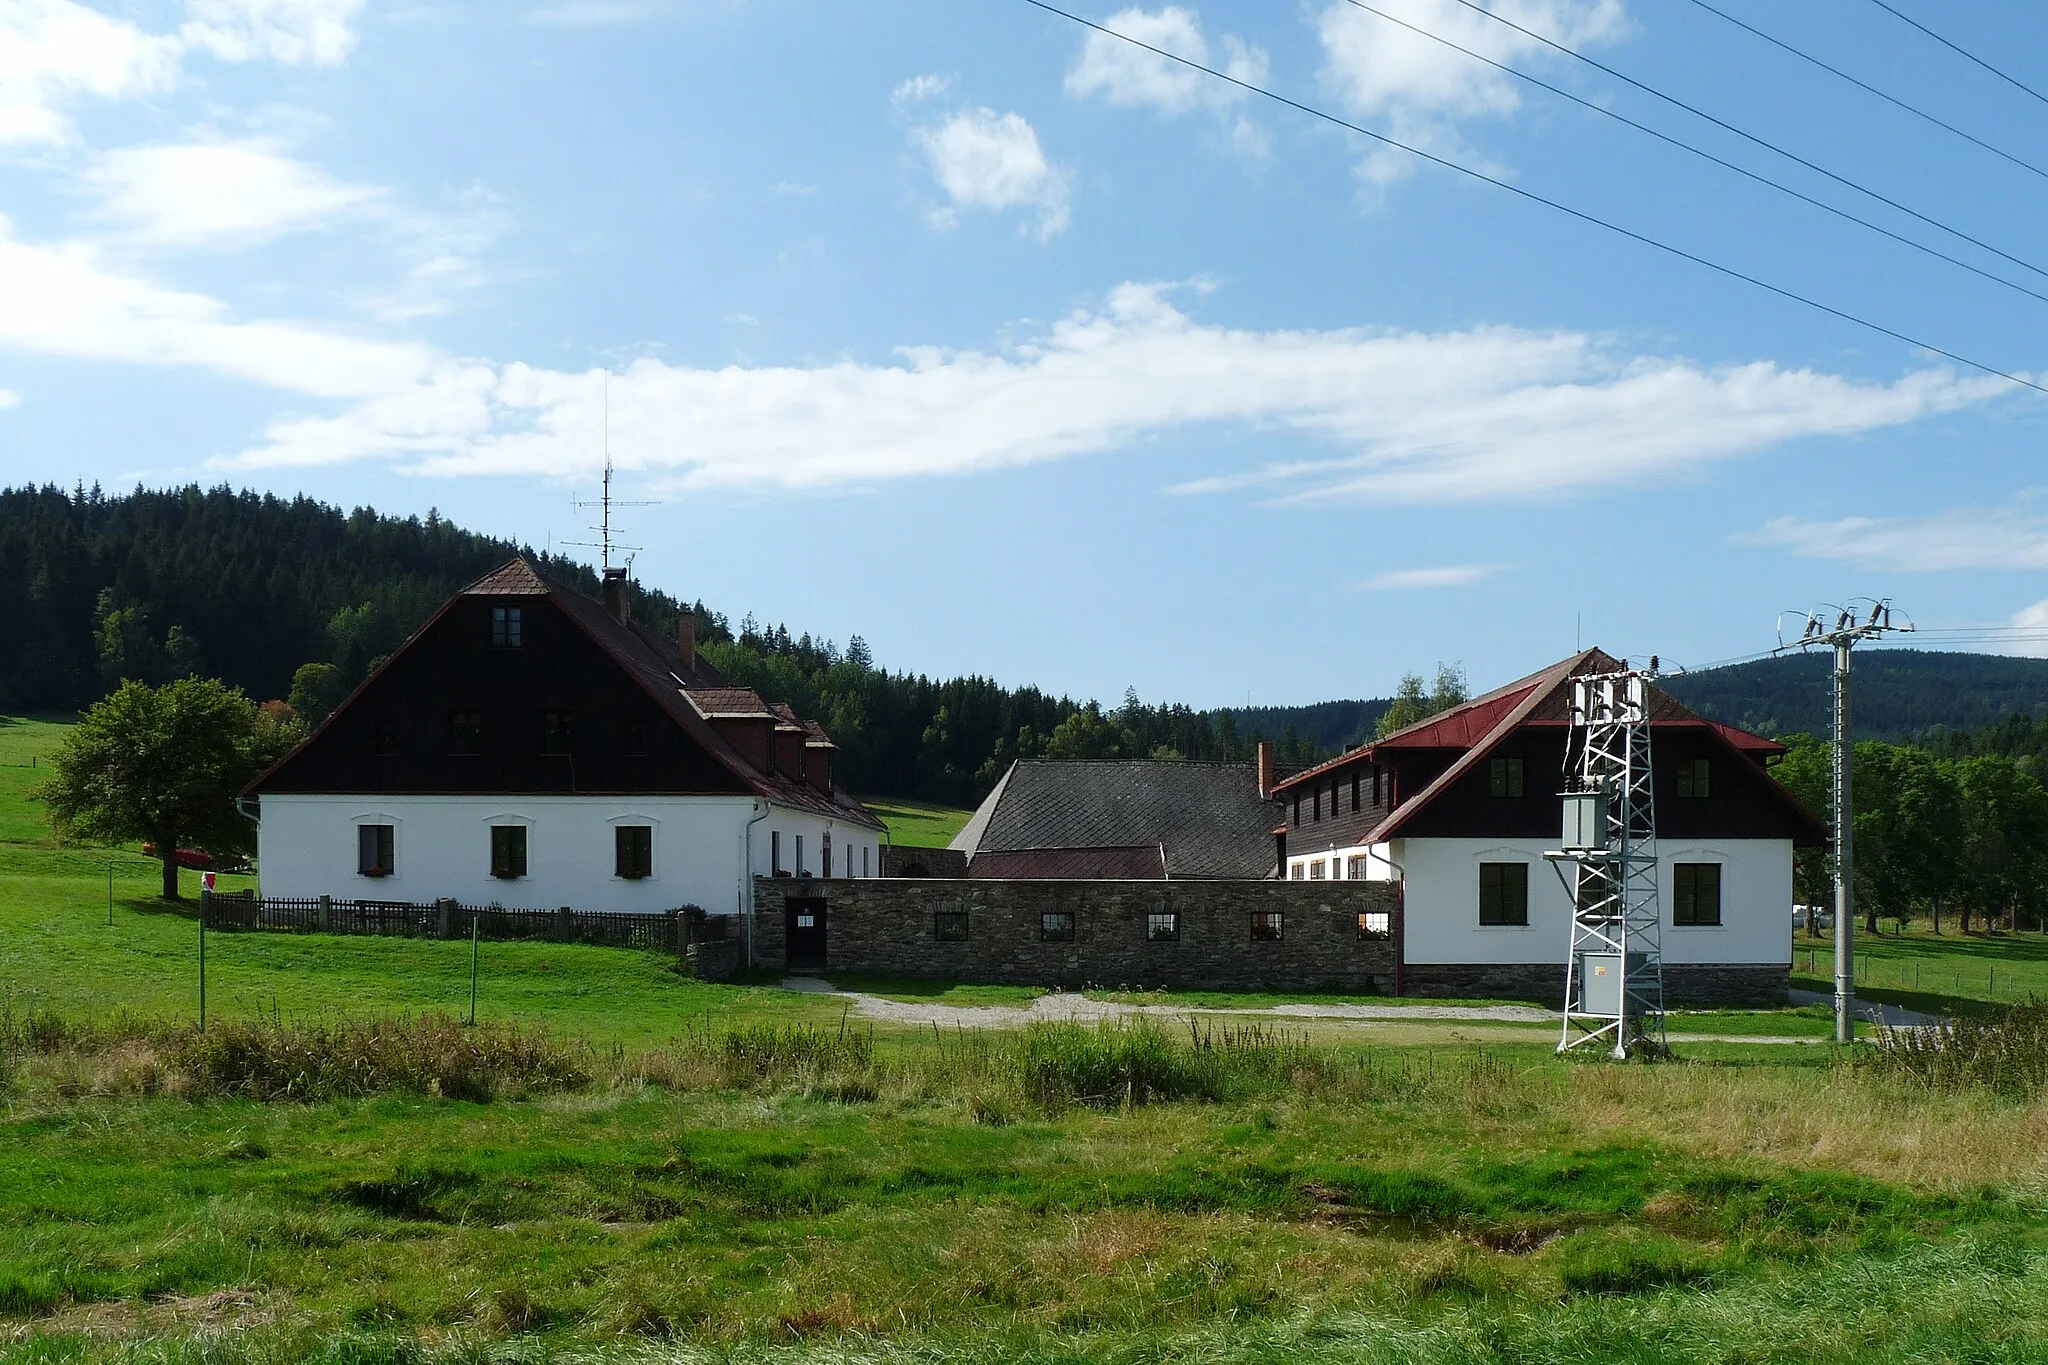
1023, 351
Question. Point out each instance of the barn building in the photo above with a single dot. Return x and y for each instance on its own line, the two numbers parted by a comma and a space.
533, 747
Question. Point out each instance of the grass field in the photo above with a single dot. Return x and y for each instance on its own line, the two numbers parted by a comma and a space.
734, 1174
914, 825
1950, 972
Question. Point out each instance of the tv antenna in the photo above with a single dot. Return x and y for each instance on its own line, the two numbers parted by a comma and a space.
1851, 626
604, 544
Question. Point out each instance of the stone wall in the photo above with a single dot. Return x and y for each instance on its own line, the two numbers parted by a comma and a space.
889, 927
1543, 982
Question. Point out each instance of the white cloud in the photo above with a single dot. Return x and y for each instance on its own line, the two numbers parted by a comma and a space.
1494, 413
2034, 618
208, 194
295, 32
986, 160
918, 89
1120, 74
1417, 90
9, 399
1441, 576
2011, 537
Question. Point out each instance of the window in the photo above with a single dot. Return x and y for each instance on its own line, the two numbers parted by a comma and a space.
1162, 926
465, 732
1375, 786
950, 926
1507, 777
1315, 804
1300, 871
1354, 793
633, 739
374, 851
1504, 893
633, 851
1315, 870
1692, 778
1375, 924
1297, 810
864, 860
1266, 926
825, 854
505, 627
384, 738
508, 851
554, 732
1696, 893
1056, 926
801, 870
1358, 867
775, 852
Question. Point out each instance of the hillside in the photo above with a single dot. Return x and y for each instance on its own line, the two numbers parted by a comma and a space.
1898, 693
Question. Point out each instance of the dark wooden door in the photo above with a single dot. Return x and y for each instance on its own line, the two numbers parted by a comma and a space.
805, 932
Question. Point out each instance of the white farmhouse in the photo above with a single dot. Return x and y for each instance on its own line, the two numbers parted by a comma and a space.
1460, 808
534, 747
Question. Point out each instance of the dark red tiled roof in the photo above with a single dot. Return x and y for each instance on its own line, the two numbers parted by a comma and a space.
729, 702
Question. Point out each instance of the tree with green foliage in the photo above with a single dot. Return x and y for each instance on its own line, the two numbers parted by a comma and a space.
316, 690
161, 764
1413, 704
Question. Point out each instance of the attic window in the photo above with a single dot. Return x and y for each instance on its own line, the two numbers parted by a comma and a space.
1693, 778
554, 732
465, 732
1507, 779
384, 738
506, 628
633, 739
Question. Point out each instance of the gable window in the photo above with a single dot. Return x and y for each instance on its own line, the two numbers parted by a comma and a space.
633, 851
554, 732
1375, 924
1692, 778
1507, 777
384, 738
1315, 804
1354, 793
1504, 894
1162, 926
1297, 810
950, 926
506, 628
374, 850
508, 851
1056, 926
1696, 893
465, 732
633, 739
1267, 926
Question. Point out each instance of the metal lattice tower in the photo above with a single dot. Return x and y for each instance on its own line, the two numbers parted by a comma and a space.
1614, 974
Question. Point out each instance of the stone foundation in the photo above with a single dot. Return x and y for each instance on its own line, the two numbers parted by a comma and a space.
714, 959
1760, 984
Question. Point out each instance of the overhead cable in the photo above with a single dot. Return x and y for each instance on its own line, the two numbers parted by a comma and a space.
1963, 52
1701, 152
1867, 87
1558, 206
1748, 136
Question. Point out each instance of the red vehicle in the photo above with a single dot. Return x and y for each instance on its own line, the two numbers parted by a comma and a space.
199, 860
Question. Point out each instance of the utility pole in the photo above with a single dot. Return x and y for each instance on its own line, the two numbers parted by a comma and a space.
1850, 627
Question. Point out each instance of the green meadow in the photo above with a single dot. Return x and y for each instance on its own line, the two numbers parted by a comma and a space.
624, 1164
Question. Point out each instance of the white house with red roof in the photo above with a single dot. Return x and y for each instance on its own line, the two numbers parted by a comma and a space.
534, 747
1460, 808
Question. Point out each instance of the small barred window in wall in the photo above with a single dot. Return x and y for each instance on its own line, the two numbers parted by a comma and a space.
508, 851
950, 926
1693, 775
1315, 870
1162, 926
466, 732
1375, 924
1056, 926
507, 628
1504, 894
1696, 893
374, 848
1267, 926
554, 732
633, 851
1507, 777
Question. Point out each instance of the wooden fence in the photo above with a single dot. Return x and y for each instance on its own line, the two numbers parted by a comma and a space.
670, 931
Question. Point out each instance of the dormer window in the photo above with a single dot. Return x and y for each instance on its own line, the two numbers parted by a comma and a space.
506, 628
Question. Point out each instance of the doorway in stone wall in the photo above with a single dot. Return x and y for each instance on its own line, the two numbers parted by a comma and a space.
804, 933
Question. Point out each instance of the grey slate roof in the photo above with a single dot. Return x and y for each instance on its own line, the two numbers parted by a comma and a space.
1208, 816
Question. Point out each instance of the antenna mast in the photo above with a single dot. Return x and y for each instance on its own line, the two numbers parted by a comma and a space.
1849, 628
606, 502
1614, 970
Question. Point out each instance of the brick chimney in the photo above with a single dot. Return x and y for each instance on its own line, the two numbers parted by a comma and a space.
686, 639
615, 594
1265, 770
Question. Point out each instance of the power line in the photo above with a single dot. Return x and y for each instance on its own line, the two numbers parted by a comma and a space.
1730, 271
1697, 112
1703, 153
1960, 51
1866, 86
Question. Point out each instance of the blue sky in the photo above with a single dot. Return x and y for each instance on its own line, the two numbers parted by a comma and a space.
1019, 351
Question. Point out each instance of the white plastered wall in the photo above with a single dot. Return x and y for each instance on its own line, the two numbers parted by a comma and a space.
1441, 902
1337, 863
849, 843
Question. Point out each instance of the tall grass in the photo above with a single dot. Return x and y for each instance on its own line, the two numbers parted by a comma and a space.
2006, 1053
